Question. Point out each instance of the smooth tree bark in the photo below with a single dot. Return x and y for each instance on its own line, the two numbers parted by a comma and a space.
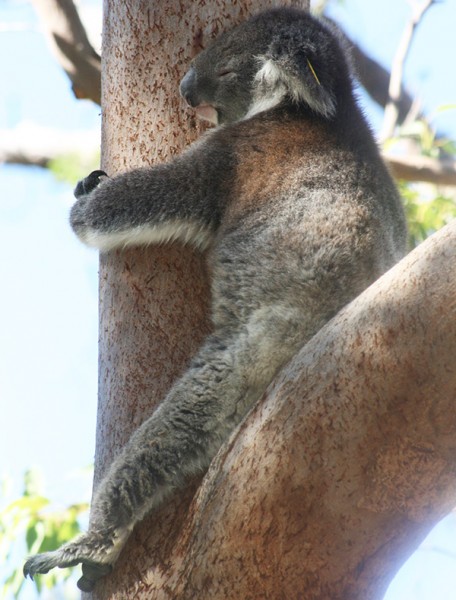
154, 302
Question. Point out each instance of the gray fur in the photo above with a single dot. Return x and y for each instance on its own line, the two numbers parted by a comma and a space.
299, 215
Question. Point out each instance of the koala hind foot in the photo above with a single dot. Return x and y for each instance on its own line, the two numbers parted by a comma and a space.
96, 551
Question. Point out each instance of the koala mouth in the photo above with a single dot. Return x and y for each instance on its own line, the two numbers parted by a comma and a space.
207, 113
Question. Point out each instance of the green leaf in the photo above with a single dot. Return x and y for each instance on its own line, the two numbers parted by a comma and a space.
29, 525
425, 215
72, 167
445, 107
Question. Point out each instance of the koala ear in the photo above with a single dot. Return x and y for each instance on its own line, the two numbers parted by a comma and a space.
297, 65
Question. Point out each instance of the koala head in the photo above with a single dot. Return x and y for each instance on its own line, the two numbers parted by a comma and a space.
279, 56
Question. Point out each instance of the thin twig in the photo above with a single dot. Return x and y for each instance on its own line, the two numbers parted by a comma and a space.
397, 70
372, 75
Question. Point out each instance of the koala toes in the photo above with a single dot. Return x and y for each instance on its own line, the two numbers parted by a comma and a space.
89, 183
93, 555
86, 212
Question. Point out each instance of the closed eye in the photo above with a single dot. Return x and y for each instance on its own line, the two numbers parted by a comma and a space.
225, 72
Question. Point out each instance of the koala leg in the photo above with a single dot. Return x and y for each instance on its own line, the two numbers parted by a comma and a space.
95, 550
226, 377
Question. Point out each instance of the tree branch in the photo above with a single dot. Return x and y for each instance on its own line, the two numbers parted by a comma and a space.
375, 80
372, 76
395, 85
423, 168
338, 475
71, 46
37, 146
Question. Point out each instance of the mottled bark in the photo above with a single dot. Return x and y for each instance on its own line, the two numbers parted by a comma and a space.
153, 301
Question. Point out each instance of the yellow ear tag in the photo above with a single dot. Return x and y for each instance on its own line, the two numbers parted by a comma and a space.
313, 72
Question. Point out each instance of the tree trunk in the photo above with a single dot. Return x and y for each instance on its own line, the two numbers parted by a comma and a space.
340, 472
348, 462
153, 301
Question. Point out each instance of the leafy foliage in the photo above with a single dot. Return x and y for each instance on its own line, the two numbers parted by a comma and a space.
427, 207
73, 167
425, 213
28, 525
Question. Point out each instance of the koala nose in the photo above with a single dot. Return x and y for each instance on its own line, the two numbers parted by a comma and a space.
187, 87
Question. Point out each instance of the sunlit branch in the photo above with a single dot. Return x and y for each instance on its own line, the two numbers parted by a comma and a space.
397, 70
71, 46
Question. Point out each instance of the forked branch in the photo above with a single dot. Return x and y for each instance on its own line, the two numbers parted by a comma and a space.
397, 69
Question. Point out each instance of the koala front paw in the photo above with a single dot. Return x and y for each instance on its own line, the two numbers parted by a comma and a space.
95, 552
89, 183
89, 214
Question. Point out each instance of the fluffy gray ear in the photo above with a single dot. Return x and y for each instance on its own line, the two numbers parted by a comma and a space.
297, 67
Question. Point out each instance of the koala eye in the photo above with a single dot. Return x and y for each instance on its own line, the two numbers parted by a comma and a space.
224, 73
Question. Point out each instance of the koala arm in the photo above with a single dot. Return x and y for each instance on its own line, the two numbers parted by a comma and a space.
180, 200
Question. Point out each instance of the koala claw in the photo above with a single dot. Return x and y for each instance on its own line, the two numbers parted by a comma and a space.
89, 183
79, 215
70, 555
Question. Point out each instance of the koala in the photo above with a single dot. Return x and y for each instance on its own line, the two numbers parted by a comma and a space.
298, 214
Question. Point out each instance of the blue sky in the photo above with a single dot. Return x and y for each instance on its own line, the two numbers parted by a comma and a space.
48, 316
48, 304
429, 70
